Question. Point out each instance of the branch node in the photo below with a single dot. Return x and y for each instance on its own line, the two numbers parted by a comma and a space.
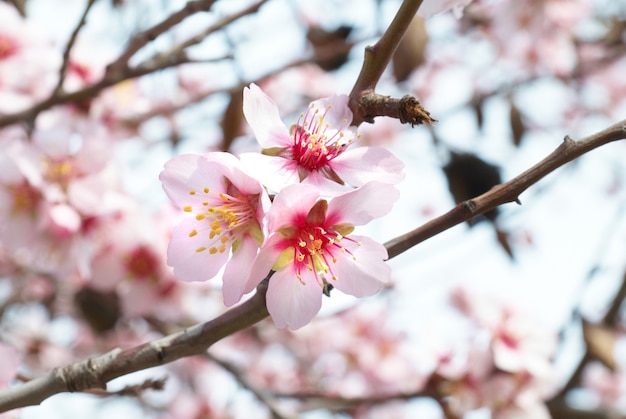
470, 206
412, 112
81, 376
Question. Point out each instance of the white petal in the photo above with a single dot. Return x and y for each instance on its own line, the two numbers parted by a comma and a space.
291, 303
360, 165
262, 114
359, 207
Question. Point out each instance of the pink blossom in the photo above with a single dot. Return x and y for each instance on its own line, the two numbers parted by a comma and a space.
130, 260
9, 364
28, 62
433, 7
315, 149
225, 208
310, 246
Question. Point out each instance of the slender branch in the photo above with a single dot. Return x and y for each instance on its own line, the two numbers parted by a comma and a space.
508, 191
119, 70
377, 57
96, 372
142, 38
335, 403
69, 46
220, 24
408, 110
261, 394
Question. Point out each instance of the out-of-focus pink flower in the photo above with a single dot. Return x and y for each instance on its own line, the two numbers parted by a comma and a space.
225, 208
9, 363
130, 260
28, 62
607, 385
315, 149
432, 7
518, 343
310, 246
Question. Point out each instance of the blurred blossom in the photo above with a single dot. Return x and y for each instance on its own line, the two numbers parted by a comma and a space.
224, 209
311, 246
315, 149
9, 363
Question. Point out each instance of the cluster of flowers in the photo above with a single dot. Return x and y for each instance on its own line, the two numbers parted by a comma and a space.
320, 190
75, 247
498, 358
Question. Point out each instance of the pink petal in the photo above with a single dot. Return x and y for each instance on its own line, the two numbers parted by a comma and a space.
359, 207
237, 272
360, 165
292, 202
272, 171
432, 7
339, 114
10, 360
366, 275
182, 254
263, 263
262, 115
324, 185
245, 183
175, 176
291, 303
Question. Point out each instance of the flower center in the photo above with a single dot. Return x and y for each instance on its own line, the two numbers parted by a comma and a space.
61, 171
142, 263
315, 143
228, 215
8, 46
316, 250
25, 198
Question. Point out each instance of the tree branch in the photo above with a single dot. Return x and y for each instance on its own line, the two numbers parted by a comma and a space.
142, 38
68, 48
508, 191
119, 70
96, 372
377, 57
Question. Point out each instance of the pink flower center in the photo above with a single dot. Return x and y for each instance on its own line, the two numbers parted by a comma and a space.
25, 198
315, 142
316, 246
61, 171
8, 46
142, 263
228, 214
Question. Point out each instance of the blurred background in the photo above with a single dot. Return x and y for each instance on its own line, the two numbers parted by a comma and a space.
85, 223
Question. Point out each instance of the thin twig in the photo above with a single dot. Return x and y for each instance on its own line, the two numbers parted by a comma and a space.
142, 38
68, 49
119, 70
262, 395
377, 57
508, 191
97, 372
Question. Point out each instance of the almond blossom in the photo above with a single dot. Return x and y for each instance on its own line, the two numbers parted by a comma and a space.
433, 7
315, 149
311, 248
225, 208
